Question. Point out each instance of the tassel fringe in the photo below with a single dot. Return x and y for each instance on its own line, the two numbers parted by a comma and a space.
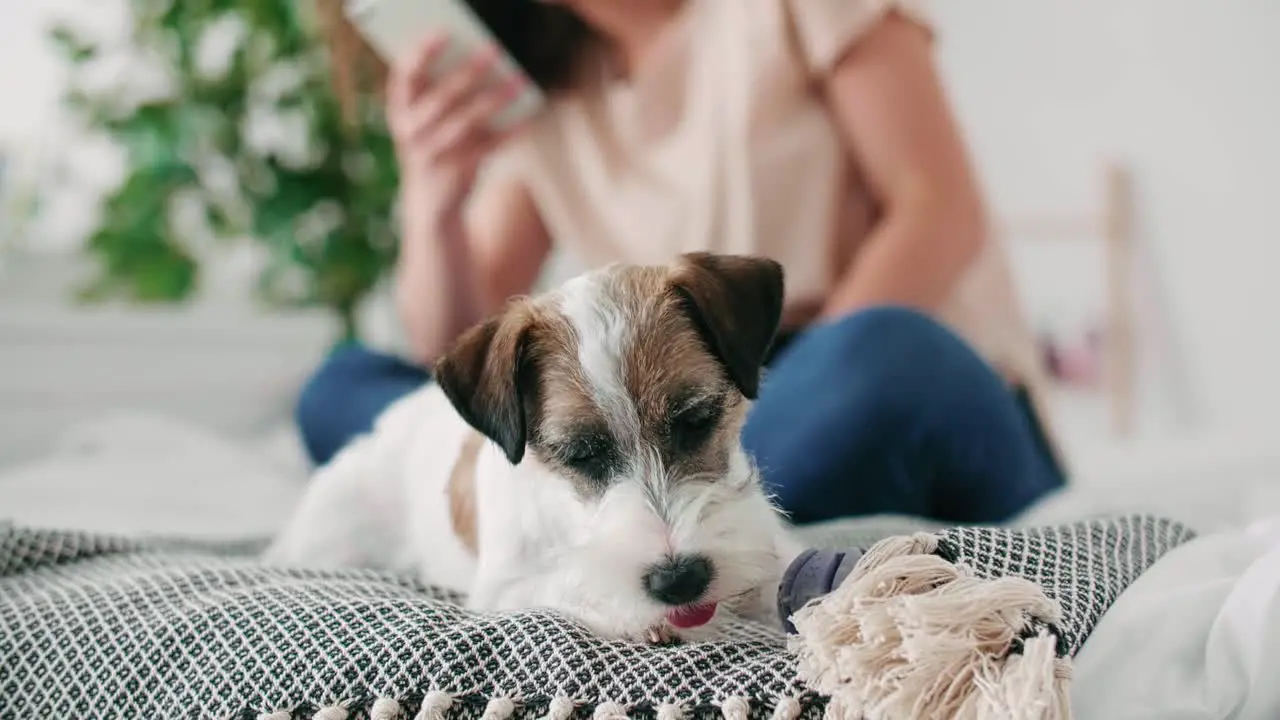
499, 709
384, 709
910, 635
561, 708
609, 711
670, 712
436, 705
736, 708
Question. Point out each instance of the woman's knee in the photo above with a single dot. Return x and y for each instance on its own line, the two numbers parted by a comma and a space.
343, 397
894, 343
879, 364
871, 412
837, 451
335, 376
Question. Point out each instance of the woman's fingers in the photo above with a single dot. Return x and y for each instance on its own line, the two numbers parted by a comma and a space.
411, 76
445, 119
453, 93
470, 121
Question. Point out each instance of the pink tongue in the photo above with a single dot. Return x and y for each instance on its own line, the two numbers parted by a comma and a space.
692, 616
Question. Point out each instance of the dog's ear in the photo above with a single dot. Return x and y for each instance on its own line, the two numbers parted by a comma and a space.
482, 376
735, 302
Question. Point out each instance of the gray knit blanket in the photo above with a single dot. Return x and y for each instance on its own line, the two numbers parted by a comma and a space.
98, 626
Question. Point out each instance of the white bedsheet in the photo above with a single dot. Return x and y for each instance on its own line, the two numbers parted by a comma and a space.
1198, 637
141, 473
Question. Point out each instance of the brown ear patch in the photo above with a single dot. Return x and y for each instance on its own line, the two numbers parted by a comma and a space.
735, 302
482, 376
463, 513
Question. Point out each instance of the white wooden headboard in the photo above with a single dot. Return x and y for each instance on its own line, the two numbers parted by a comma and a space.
1110, 223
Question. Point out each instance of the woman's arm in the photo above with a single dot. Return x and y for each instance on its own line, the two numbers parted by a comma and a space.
454, 271
464, 247
890, 105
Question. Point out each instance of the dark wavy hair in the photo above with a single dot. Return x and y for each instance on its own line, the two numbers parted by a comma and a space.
545, 39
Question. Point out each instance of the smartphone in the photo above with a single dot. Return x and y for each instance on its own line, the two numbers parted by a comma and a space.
395, 27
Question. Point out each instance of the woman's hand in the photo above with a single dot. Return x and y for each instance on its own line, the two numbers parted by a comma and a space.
440, 124
454, 268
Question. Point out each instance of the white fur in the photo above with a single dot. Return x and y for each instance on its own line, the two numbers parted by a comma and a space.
383, 502
604, 334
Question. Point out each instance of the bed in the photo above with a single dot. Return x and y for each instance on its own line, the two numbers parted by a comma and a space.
1196, 637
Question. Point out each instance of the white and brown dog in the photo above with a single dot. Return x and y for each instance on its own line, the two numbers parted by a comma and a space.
613, 486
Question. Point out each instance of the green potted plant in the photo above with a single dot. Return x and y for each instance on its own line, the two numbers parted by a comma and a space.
320, 198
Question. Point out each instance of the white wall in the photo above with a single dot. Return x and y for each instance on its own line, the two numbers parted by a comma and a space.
35, 134
1187, 92
27, 74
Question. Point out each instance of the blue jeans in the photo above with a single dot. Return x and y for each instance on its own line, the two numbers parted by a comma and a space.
882, 411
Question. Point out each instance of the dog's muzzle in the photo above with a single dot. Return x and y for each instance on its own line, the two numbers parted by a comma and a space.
679, 580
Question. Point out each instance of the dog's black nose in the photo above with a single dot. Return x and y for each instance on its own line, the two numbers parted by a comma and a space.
679, 580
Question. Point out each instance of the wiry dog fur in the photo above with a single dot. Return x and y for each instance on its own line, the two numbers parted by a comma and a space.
613, 406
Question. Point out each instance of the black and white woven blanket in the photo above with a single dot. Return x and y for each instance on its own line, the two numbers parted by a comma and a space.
95, 626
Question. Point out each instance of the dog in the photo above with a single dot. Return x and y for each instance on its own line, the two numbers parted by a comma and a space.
578, 452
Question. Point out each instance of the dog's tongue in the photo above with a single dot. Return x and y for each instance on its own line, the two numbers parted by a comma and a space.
692, 616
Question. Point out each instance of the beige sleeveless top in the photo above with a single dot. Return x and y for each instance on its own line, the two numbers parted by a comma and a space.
721, 144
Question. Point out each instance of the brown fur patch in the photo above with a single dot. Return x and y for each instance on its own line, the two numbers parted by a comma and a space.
693, 332
562, 403
463, 513
735, 302
493, 373
671, 374
562, 390
667, 370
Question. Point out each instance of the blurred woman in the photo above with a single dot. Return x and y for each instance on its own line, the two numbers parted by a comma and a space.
815, 132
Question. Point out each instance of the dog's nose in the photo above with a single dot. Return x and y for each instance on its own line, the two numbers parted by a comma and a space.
679, 580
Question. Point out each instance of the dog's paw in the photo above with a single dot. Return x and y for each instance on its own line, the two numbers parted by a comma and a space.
663, 635
660, 635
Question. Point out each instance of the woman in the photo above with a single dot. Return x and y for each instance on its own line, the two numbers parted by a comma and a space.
812, 131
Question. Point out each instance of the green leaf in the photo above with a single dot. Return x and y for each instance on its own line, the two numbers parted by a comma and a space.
275, 215
72, 45
200, 126
220, 220
164, 277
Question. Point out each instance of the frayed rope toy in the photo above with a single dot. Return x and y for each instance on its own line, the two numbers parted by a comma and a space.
912, 634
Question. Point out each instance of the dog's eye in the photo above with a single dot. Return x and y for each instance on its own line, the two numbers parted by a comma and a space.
692, 426
581, 456
695, 418
591, 457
